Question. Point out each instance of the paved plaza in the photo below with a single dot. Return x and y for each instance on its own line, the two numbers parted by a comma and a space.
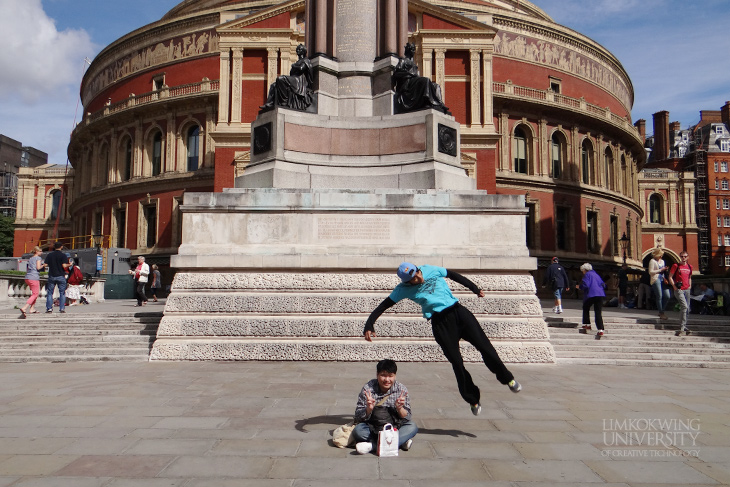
269, 424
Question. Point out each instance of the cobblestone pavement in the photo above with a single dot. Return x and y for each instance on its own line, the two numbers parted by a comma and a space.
269, 424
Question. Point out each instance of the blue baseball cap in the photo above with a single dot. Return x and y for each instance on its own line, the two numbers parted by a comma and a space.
406, 271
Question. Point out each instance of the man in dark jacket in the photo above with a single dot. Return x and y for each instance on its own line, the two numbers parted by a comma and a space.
558, 280
57, 264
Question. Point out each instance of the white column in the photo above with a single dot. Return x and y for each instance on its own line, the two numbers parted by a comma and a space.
224, 99
474, 55
487, 89
427, 64
236, 85
271, 67
441, 70
170, 162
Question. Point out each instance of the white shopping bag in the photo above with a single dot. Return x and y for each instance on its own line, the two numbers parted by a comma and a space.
388, 441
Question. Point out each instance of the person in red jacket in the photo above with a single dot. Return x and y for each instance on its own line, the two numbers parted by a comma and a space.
680, 278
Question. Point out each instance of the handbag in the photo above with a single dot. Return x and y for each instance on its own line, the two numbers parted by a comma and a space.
388, 441
342, 436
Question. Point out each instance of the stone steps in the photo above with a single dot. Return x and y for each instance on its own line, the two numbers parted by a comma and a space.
321, 315
642, 342
75, 337
641, 363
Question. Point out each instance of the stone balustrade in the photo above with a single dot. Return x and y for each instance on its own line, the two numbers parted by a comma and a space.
511, 90
14, 290
165, 94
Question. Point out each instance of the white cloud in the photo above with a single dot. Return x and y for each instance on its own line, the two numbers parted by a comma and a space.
37, 60
40, 74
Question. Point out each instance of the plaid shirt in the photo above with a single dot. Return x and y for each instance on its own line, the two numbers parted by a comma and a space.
372, 386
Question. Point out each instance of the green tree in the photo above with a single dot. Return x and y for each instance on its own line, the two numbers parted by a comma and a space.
7, 234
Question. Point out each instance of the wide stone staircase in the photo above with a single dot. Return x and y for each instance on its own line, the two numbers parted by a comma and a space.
643, 342
78, 337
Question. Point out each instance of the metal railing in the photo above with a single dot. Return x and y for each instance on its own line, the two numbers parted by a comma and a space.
76, 242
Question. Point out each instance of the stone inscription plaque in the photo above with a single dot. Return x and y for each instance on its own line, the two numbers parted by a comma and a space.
347, 228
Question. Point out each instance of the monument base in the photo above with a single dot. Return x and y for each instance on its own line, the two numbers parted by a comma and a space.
292, 149
292, 274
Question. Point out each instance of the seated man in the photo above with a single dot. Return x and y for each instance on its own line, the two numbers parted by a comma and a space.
699, 301
383, 400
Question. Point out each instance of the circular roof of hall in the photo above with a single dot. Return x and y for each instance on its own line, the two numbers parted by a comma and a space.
187, 7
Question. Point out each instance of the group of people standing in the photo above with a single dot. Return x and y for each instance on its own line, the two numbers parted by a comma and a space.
660, 279
65, 274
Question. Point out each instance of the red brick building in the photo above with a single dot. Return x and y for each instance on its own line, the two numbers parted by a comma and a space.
544, 112
695, 159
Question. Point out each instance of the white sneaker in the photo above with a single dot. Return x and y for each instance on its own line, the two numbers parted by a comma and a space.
364, 447
560, 309
555, 309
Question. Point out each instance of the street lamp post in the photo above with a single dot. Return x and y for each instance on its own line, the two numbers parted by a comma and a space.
624, 241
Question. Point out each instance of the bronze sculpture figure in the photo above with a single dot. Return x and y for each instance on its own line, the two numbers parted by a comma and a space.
295, 90
412, 91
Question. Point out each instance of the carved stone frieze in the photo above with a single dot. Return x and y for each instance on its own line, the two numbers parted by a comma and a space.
338, 282
318, 350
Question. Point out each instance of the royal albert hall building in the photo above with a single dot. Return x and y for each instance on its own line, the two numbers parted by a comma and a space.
545, 112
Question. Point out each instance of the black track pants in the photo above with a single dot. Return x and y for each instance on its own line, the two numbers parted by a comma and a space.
458, 323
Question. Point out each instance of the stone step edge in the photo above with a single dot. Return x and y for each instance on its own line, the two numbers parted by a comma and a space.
342, 351
641, 363
661, 355
77, 358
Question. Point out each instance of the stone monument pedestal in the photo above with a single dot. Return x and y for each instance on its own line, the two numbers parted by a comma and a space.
299, 150
289, 264
292, 274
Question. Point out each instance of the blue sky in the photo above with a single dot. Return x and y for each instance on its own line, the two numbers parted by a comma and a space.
677, 54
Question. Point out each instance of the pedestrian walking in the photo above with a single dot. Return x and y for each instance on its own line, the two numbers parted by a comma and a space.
450, 323
642, 301
33, 279
140, 273
680, 278
623, 285
57, 263
558, 280
594, 290
156, 282
657, 268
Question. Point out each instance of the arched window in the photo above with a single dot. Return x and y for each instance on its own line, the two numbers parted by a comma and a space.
586, 161
55, 204
557, 151
127, 167
655, 208
193, 144
156, 159
609, 169
520, 151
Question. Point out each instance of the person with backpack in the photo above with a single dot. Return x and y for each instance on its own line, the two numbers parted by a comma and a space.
73, 283
558, 280
680, 278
